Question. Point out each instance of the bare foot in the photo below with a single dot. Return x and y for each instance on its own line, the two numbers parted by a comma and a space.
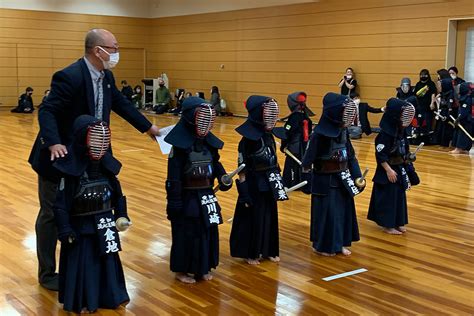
454, 151
185, 278
274, 259
86, 311
401, 229
345, 251
252, 261
325, 254
392, 231
207, 277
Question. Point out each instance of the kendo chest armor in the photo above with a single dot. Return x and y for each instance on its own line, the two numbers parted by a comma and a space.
93, 196
264, 158
336, 158
397, 153
198, 171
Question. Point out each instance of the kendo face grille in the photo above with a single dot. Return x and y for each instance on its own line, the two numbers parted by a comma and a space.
98, 140
270, 114
204, 117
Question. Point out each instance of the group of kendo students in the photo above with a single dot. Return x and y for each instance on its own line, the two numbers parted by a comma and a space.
323, 156
443, 113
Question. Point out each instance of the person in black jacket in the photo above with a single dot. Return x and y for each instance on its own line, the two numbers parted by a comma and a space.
192, 208
361, 121
25, 102
405, 90
395, 173
126, 90
425, 91
85, 87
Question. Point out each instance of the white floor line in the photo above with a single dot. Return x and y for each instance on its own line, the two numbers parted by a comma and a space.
343, 275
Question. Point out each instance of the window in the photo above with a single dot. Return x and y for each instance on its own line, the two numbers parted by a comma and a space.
469, 56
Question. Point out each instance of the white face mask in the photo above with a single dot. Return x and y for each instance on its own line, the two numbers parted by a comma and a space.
113, 59
349, 76
356, 101
453, 76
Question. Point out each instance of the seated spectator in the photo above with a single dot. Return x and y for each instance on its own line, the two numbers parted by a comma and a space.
361, 121
162, 98
46, 93
127, 90
216, 100
179, 96
200, 95
137, 97
25, 102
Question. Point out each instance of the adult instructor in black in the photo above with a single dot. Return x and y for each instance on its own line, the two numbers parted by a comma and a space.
85, 87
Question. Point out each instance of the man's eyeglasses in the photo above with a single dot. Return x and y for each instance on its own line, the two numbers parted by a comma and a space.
115, 49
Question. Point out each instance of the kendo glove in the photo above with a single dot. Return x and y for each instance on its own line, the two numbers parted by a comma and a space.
411, 157
66, 235
244, 195
225, 185
456, 122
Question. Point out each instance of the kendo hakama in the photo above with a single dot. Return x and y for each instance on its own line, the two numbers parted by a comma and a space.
443, 133
388, 202
90, 271
335, 168
254, 231
296, 132
460, 140
192, 208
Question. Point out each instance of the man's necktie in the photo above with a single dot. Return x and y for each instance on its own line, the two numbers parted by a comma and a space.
99, 105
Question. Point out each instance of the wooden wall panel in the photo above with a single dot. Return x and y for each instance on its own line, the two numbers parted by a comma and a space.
33, 45
304, 47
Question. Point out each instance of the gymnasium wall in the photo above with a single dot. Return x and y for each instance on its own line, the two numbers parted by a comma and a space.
35, 44
271, 51
278, 50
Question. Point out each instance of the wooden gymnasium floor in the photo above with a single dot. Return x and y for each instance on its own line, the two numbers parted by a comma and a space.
429, 270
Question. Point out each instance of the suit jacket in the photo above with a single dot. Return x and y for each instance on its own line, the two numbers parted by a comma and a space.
72, 95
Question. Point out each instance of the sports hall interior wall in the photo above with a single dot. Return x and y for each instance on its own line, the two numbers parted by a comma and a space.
278, 50
35, 44
271, 51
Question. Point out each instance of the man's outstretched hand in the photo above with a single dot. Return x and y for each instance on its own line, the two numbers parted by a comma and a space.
153, 131
57, 151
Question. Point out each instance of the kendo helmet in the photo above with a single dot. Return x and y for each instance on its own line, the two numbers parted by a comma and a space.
199, 114
263, 111
398, 115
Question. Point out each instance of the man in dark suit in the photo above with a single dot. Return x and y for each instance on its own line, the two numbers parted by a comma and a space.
85, 87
